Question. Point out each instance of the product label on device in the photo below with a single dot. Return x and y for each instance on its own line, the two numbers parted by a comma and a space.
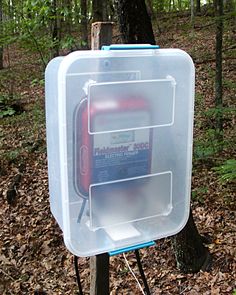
121, 155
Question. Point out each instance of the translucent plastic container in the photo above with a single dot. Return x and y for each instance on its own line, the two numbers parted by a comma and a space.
119, 144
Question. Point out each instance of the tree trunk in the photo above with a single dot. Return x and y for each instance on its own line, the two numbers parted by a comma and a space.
135, 26
105, 8
97, 11
68, 16
218, 76
55, 30
198, 6
1, 31
134, 21
190, 253
99, 274
84, 24
111, 10
150, 8
192, 11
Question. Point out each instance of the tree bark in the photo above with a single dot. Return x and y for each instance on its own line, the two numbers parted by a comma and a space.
111, 10
150, 8
55, 30
84, 24
105, 9
97, 11
198, 6
134, 21
68, 16
218, 75
192, 11
191, 255
1, 30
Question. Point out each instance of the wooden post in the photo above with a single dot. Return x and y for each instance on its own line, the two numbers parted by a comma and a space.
99, 274
101, 35
99, 265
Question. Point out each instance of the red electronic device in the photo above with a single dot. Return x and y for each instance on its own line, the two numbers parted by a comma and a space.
110, 156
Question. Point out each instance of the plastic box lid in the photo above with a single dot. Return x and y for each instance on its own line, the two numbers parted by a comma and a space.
119, 145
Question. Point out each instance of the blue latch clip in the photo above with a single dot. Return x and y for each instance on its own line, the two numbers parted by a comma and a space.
131, 248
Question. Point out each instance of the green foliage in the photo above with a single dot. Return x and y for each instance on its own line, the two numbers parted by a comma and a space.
198, 194
33, 23
5, 109
208, 145
227, 171
211, 115
37, 81
229, 84
7, 112
12, 155
211, 141
167, 6
68, 42
199, 100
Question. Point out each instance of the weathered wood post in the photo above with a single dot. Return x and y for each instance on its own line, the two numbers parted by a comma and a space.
99, 265
101, 34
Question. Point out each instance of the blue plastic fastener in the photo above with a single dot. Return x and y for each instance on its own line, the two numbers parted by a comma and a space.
131, 248
130, 47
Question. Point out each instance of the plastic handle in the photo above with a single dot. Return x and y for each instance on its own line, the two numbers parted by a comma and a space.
131, 248
130, 47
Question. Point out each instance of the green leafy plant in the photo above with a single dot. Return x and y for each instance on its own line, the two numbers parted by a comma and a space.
227, 171
69, 42
199, 193
7, 112
36, 82
208, 145
12, 155
5, 109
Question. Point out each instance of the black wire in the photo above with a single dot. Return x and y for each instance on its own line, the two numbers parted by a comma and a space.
77, 275
146, 288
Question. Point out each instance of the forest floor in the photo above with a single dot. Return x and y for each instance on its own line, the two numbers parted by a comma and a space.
33, 257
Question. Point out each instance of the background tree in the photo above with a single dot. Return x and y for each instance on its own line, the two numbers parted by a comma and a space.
198, 6
134, 21
105, 9
56, 33
218, 75
150, 8
192, 11
1, 32
97, 10
136, 27
84, 24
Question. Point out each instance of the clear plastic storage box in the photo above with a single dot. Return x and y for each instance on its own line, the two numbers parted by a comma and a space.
119, 145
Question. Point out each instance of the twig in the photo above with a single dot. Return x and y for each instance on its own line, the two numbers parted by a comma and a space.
204, 26
6, 274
